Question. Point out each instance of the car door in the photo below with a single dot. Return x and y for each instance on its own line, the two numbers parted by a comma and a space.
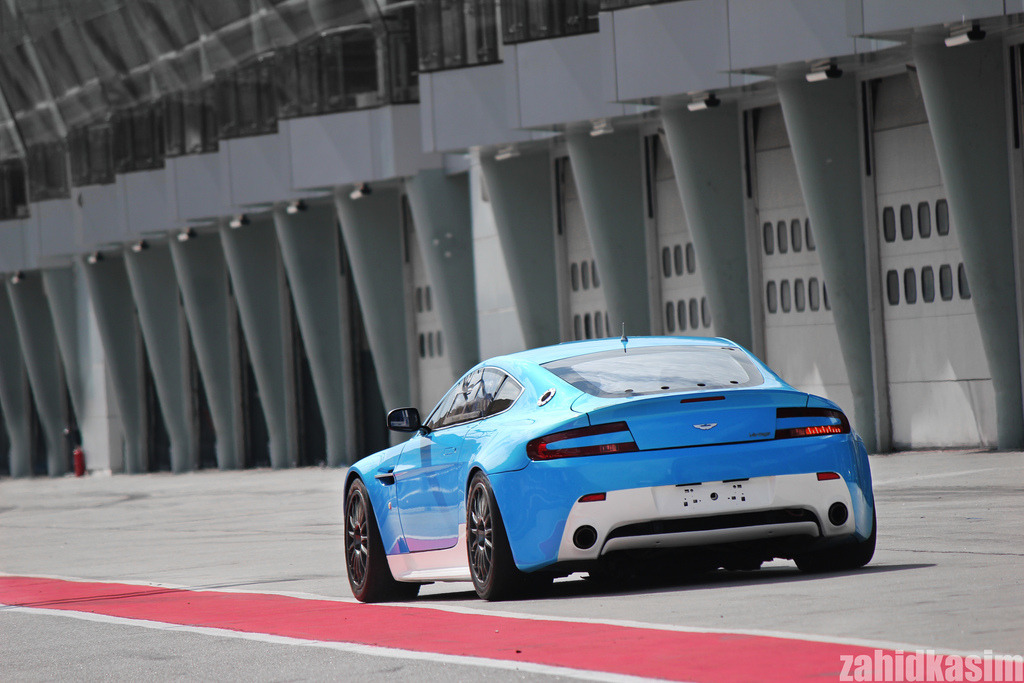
431, 472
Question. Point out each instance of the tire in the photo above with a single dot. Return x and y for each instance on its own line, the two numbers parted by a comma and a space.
365, 561
842, 558
494, 572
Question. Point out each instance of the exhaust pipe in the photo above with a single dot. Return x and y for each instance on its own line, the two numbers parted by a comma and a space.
585, 537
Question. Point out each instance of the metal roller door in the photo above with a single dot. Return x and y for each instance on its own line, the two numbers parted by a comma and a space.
588, 312
940, 387
684, 307
434, 370
801, 341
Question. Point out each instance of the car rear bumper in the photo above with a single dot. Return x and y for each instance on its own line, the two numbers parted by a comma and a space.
539, 502
708, 513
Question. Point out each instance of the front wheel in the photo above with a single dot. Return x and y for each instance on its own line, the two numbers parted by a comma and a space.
851, 556
365, 561
494, 572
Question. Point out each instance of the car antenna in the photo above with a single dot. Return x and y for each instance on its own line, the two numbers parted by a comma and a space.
625, 339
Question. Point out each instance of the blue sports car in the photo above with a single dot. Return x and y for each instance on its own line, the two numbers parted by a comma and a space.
594, 455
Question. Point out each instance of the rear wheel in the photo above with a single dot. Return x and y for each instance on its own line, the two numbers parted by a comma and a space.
367, 566
851, 556
494, 572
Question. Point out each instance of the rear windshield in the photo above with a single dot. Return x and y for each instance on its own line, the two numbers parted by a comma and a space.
657, 370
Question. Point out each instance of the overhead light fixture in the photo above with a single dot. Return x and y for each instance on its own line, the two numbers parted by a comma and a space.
601, 127
704, 101
296, 206
506, 152
965, 34
17, 277
238, 221
828, 70
140, 246
360, 191
94, 258
186, 234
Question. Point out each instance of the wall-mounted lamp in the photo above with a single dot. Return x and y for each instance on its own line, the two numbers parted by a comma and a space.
238, 221
704, 101
506, 152
94, 258
601, 127
186, 234
17, 277
360, 191
140, 246
295, 207
828, 70
965, 34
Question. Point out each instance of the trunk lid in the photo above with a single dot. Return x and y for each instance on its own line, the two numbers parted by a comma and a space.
694, 419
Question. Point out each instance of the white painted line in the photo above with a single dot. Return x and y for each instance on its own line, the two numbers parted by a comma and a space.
940, 475
353, 648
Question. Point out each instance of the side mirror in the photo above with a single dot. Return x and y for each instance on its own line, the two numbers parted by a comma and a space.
404, 420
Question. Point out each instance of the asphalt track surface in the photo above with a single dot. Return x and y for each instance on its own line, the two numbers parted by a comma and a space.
239, 576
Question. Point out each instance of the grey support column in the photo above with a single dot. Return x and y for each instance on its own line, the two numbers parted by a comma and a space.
59, 286
42, 360
252, 257
85, 366
155, 289
707, 157
14, 393
372, 229
823, 120
311, 251
203, 281
111, 295
520, 189
608, 177
444, 231
964, 93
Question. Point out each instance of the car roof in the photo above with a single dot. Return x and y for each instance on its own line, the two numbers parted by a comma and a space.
547, 354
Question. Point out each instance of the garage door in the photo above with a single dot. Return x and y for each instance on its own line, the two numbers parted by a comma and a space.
940, 387
588, 311
801, 341
684, 307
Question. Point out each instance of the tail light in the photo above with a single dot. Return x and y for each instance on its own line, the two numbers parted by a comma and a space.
796, 422
603, 439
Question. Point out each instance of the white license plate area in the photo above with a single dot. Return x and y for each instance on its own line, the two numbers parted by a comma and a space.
713, 497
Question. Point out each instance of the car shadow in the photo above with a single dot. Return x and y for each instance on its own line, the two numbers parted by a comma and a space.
639, 585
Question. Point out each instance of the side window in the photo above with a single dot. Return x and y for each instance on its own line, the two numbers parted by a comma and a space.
464, 406
501, 389
436, 419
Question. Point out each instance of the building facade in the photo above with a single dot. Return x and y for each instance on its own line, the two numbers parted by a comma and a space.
234, 233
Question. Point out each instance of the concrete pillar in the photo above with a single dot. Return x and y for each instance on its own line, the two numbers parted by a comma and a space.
85, 366
372, 229
251, 253
444, 231
42, 361
964, 92
608, 171
520, 189
823, 120
707, 156
310, 248
155, 289
59, 287
110, 291
203, 281
14, 394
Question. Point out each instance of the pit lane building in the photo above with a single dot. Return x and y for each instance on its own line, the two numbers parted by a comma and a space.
234, 232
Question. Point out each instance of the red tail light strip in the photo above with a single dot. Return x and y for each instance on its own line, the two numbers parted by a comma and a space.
825, 415
538, 448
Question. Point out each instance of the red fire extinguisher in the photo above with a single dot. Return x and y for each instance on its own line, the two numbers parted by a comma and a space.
79, 456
